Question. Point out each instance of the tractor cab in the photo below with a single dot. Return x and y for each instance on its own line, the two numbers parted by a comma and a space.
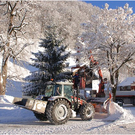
58, 89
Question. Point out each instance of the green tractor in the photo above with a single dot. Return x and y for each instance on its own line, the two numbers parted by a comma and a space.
58, 104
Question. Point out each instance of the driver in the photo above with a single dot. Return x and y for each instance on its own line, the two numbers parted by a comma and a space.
58, 91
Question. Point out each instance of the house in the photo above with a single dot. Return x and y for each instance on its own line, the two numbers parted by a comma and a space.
127, 85
125, 93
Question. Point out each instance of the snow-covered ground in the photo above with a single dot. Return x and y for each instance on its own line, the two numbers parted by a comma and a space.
15, 120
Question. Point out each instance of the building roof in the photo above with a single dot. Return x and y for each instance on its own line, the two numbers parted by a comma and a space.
127, 81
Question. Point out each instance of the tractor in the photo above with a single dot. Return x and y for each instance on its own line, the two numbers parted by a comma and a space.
59, 103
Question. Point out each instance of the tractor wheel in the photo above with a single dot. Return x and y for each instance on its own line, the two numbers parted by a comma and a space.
58, 112
40, 117
87, 111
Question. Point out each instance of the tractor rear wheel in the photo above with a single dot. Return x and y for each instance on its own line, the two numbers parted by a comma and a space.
58, 112
40, 117
87, 111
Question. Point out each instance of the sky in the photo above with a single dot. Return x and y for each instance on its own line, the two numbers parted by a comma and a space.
112, 4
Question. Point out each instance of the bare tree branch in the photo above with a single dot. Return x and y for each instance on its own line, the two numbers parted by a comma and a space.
3, 4
2, 44
21, 50
125, 61
20, 25
14, 5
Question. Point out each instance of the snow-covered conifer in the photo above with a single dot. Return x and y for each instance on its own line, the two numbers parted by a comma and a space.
50, 62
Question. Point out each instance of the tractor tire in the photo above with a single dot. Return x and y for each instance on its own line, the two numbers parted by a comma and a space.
58, 112
40, 117
87, 111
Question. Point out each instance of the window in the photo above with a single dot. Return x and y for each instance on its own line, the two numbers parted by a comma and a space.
125, 88
57, 90
49, 90
53, 90
68, 91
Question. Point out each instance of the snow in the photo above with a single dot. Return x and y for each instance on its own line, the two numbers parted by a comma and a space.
127, 81
15, 120
119, 114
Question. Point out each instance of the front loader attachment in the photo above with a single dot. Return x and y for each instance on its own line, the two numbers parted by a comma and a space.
30, 104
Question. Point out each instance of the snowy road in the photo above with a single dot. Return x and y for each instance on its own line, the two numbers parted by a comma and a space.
74, 126
15, 120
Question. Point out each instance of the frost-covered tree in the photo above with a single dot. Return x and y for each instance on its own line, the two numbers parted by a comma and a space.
12, 15
67, 15
50, 62
110, 35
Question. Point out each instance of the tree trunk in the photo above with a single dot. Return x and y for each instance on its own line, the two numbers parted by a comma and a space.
114, 82
4, 76
113, 88
114, 93
5, 55
2, 91
3, 79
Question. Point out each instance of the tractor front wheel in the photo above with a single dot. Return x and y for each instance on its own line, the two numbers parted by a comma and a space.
58, 112
40, 117
87, 111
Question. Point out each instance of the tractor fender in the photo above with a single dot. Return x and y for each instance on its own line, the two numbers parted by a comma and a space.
53, 98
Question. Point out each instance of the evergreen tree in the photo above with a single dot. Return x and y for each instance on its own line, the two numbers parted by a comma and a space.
49, 62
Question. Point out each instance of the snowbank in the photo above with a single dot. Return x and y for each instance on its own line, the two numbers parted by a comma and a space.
11, 113
6, 99
119, 114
